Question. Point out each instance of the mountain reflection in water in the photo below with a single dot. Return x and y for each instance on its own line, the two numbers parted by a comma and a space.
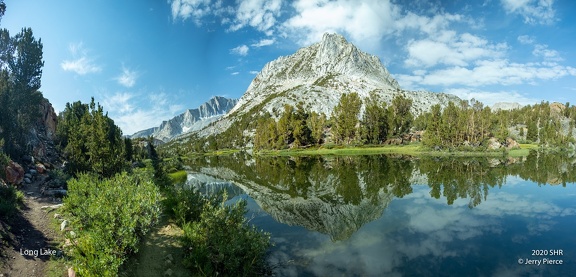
397, 215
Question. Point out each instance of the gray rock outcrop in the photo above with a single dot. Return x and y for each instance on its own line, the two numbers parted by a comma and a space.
190, 120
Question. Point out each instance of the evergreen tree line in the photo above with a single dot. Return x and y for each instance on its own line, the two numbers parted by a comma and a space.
296, 127
20, 72
469, 123
462, 124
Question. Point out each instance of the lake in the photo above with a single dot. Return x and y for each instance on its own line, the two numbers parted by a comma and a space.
383, 215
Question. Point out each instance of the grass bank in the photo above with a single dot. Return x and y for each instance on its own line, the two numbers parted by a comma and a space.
412, 150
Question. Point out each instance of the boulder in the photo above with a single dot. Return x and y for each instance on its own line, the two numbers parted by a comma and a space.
40, 168
393, 141
493, 144
512, 144
63, 225
27, 181
14, 173
54, 192
28, 159
557, 109
51, 208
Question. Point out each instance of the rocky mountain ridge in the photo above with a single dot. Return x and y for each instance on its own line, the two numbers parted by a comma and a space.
506, 106
190, 120
317, 76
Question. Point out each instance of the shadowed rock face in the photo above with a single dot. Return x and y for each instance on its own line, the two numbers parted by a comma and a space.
317, 76
40, 137
190, 120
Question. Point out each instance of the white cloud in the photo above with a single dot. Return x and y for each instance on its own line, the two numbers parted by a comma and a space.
264, 42
241, 50
80, 63
119, 103
185, 9
489, 72
235, 73
422, 227
427, 25
127, 78
131, 115
448, 48
541, 50
259, 14
368, 20
489, 98
525, 39
254, 72
533, 11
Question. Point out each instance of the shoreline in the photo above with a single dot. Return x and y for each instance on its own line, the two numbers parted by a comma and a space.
416, 150
411, 150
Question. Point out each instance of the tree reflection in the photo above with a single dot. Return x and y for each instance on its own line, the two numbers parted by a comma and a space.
336, 195
461, 178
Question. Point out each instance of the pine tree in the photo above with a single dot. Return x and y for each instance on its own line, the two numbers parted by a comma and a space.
449, 128
316, 123
285, 127
375, 120
301, 132
431, 136
129, 150
400, 118
90, 139
21, 70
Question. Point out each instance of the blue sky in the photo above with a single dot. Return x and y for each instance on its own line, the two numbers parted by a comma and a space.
146, 61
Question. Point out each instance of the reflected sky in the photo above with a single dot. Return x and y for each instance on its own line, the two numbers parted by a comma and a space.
419, 235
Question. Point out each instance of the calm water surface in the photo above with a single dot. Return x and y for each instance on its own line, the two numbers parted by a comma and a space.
399, 216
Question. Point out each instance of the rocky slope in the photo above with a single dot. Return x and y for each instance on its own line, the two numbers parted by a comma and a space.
43, 133
318, 76
506, 106
190, 120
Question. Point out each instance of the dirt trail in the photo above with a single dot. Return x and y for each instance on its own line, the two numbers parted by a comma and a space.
32, 236
160, 254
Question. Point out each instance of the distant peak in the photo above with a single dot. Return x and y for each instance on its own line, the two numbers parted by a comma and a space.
334, 37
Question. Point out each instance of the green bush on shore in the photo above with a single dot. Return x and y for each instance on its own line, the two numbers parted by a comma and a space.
10, 200
217, 237
222, 243
108, 218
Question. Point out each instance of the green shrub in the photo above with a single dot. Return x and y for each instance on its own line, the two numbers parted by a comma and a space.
4, 160
10, 200
59, 177
184, 204
109, 217
178, 177
221, 242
